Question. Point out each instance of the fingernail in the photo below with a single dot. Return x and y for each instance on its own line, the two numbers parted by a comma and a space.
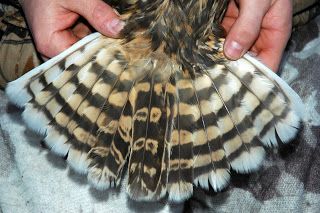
115, 26
233, 50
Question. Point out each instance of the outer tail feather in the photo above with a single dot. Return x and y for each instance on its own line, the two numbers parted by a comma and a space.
53, 88
16, 90
227, 93
296, 102
49, 101
281, 106
83, 136
64, 103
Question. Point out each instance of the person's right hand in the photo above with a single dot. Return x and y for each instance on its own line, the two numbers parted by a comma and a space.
54, 24
263, 27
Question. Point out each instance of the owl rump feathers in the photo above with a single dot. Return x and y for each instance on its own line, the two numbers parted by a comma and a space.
175, 110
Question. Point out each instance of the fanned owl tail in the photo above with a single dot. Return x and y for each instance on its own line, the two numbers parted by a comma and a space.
100, 105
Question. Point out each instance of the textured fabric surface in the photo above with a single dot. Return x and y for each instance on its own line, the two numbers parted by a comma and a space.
34, 180
304, 10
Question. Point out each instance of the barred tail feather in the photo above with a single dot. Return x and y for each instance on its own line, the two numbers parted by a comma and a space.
83, 131
17, 90
281, 108
181, 174
95, 90
106, 166
45, 87
296, 102
55, 100
148, 147
211, 167
114, 124
58, 102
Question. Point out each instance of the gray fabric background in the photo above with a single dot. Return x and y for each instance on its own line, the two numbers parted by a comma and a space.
34, 180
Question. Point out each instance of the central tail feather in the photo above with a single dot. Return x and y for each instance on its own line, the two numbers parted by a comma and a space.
149, 156
181, 159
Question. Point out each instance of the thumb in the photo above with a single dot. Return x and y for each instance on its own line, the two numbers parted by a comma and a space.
245, 29
99, 14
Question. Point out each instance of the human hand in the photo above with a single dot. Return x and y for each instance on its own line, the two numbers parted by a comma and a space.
54, 23
263, 27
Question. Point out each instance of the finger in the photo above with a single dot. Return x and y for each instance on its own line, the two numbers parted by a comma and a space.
271, 54
227, 23
44, 58
99, 14
270, 58
58, 42
81, 30
279, 27
246, 28
232, 10
231, 15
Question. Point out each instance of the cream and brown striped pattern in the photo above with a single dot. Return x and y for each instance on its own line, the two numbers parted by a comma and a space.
163, 100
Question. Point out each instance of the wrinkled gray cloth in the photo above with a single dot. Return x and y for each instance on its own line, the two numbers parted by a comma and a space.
34, 180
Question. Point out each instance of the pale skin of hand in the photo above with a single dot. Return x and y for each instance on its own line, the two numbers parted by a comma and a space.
54, 23
260, 26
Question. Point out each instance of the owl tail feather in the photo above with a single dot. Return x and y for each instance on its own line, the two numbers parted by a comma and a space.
100, 108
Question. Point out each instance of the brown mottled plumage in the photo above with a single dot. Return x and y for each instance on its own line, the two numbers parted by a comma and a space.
163, 99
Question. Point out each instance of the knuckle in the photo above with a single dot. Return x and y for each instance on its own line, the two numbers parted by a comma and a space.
98, 15
41, 45
249, 34
245, 37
